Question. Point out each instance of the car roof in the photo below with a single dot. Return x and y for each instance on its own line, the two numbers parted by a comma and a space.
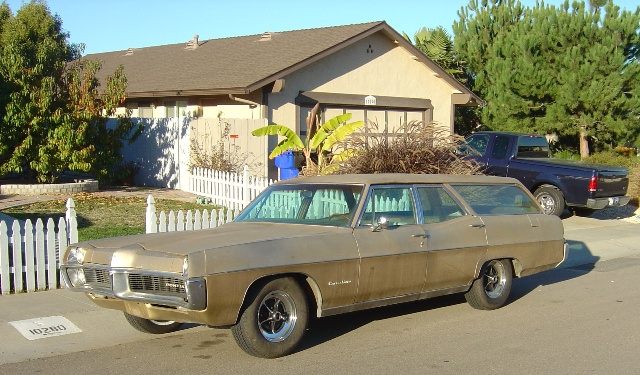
400, 178
509, 133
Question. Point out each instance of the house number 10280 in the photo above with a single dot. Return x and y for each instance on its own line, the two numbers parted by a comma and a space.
47, 330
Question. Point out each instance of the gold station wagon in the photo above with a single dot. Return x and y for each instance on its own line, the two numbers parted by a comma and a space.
321, 246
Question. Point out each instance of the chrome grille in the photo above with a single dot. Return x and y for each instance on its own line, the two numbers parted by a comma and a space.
97, 277
161, 285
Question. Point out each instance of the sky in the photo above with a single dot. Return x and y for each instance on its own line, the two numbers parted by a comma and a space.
114, 25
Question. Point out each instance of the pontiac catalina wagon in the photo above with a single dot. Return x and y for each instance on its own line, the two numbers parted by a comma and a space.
321, 246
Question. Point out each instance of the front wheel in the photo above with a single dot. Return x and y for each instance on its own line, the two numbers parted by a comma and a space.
551, 199
155, 327
491, 290
274, 322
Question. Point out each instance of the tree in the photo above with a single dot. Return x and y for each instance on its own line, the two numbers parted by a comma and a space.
566, 70
321, 139
52, 117
438, 46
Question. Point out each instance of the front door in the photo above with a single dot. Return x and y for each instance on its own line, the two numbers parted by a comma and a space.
393, 260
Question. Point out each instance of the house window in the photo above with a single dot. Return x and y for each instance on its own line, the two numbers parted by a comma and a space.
145, 110
170, 109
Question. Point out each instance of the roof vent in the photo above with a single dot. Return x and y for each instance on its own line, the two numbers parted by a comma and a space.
192, 44
129, 52
265, 37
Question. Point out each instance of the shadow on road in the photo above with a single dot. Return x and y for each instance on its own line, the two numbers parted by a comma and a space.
579, 262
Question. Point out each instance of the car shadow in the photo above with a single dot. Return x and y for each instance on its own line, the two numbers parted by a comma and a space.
579, 262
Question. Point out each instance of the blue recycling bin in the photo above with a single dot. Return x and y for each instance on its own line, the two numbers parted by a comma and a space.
286, 164
285, 160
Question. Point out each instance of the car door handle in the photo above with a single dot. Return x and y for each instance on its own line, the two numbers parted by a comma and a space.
477, 225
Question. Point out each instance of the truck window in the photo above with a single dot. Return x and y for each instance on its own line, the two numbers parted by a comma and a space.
500, 147
475, 145
532, 147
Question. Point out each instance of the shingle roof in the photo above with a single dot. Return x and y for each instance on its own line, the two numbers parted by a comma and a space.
234, 65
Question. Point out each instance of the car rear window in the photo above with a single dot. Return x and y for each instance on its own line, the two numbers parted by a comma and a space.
491, 199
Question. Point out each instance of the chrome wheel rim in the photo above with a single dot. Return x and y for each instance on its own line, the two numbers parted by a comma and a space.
277, 316
547, 203
495, 279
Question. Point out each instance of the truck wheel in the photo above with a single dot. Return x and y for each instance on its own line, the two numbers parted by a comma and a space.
155, 327
551, 199
274, 322
491, 290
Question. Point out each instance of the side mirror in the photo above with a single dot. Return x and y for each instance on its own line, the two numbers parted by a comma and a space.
382, 223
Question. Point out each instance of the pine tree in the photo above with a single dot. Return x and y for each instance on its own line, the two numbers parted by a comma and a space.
566, 70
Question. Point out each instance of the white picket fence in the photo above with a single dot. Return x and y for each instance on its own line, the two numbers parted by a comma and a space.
181, 221
231, 190
29, 255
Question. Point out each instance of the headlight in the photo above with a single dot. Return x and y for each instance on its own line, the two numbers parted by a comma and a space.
185, 266
76, 276
76, 256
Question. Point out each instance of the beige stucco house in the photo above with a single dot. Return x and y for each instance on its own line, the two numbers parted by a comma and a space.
368, 69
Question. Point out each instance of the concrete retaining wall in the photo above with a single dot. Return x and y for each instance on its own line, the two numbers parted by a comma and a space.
37, 189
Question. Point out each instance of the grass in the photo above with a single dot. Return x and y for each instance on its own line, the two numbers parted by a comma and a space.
99, 216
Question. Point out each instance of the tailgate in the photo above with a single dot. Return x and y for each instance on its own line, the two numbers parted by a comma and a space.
612, 182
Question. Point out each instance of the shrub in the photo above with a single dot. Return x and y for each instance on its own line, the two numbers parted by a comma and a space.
417, 147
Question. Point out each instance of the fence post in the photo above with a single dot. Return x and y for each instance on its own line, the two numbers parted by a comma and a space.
4, 259
245, 187
71, 219
150, 215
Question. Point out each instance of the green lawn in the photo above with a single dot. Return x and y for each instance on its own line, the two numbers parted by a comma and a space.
101, 217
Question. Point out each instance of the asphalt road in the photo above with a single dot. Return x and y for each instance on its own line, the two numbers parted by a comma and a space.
580, 318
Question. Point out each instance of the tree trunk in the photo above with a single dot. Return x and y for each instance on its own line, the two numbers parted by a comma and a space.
584, 144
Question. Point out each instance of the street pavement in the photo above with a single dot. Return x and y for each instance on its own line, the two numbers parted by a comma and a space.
591, 242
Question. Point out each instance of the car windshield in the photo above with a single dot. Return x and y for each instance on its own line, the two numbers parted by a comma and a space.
314, 204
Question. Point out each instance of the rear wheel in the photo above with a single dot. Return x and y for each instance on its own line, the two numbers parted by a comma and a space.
491, 290
274, 322
155, 327
551, 199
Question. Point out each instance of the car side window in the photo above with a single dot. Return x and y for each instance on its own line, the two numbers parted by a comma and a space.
394, 203
497, 199
437, 205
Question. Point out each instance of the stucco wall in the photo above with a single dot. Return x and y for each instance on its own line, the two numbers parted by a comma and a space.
373, 66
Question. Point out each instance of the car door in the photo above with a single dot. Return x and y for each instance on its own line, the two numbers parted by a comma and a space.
510, 215
392, 260
455, 241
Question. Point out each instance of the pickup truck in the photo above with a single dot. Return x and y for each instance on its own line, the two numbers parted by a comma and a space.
556, 183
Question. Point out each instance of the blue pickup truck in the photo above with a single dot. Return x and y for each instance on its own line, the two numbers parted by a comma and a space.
556, 183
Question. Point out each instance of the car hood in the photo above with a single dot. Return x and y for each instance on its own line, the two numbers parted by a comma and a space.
230, 234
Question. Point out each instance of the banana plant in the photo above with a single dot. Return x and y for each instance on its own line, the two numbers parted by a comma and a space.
321, 140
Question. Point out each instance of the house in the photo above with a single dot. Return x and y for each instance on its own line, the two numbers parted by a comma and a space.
222, 89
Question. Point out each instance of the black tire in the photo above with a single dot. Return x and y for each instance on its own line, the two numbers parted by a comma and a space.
156, 327
491, 290
274, 321
551, 199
